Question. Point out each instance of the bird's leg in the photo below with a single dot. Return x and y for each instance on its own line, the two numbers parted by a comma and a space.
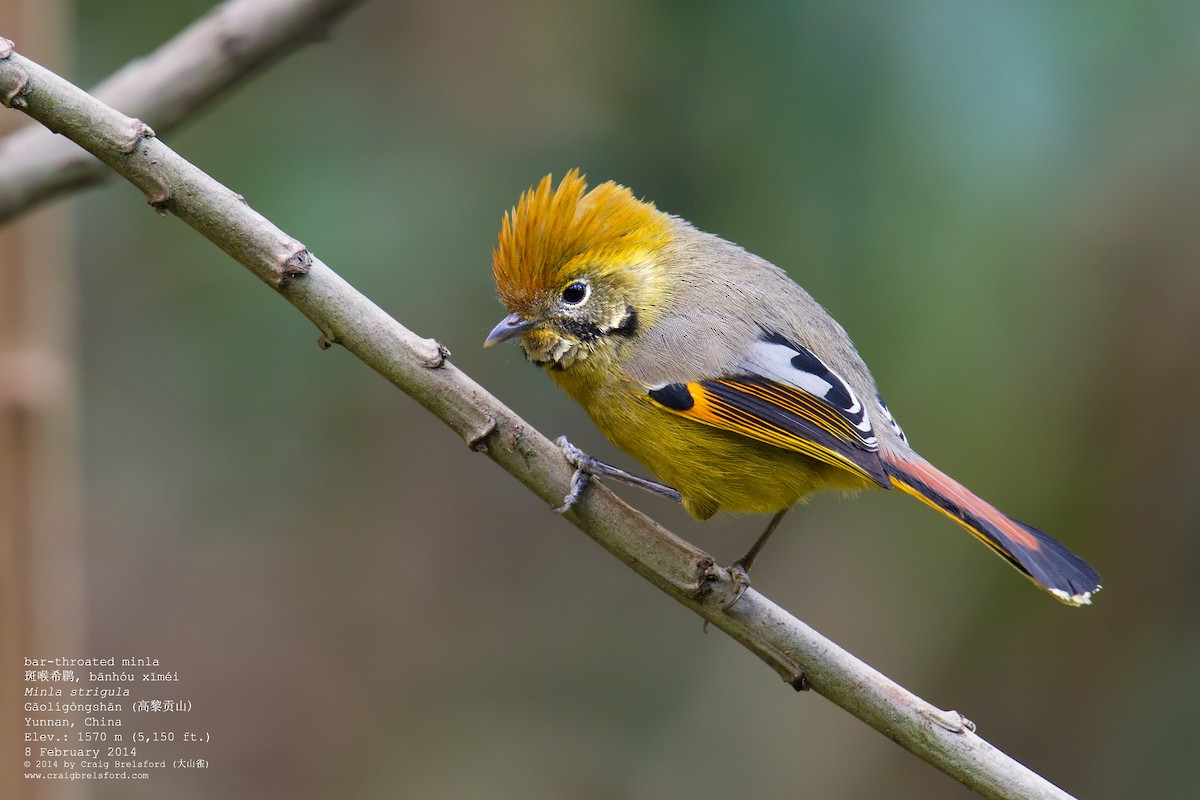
586, 467
740, 569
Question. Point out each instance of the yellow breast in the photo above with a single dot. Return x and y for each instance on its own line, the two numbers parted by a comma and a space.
713, 469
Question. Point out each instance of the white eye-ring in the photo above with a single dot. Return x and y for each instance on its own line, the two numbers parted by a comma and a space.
576, 293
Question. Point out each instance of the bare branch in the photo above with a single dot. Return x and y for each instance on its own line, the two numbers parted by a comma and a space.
165, 88
420, 367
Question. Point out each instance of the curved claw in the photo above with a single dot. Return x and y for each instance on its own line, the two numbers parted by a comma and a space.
579, 480
741, 582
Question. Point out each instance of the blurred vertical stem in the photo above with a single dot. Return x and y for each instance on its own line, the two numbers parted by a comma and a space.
419, 366
41, 574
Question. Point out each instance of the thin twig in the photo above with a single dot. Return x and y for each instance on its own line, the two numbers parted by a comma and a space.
171, 85
420, 367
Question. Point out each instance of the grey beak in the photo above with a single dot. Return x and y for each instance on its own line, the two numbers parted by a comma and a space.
509, 327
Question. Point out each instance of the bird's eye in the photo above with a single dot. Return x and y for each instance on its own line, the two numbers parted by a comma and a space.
575, 293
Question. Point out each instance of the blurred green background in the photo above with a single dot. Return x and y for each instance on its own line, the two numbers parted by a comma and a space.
999, 201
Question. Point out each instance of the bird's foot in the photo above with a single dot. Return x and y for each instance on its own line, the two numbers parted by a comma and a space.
582, 463
587, 467
739, 578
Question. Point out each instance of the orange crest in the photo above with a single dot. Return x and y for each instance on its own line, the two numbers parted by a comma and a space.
553, 234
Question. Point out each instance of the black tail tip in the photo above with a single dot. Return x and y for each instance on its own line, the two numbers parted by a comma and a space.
1059, 571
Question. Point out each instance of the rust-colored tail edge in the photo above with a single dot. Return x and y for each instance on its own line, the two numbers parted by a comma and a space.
1041, 558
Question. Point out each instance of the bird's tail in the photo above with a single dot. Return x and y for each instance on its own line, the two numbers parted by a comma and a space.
1043, 559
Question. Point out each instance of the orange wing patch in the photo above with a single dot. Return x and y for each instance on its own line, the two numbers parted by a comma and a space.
775, 414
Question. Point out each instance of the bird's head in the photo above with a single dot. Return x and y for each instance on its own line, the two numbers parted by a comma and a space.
579, 271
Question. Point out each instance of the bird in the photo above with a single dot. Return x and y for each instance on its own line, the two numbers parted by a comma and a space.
717, 372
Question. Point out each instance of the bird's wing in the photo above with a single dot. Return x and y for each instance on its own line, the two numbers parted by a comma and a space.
783, 395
